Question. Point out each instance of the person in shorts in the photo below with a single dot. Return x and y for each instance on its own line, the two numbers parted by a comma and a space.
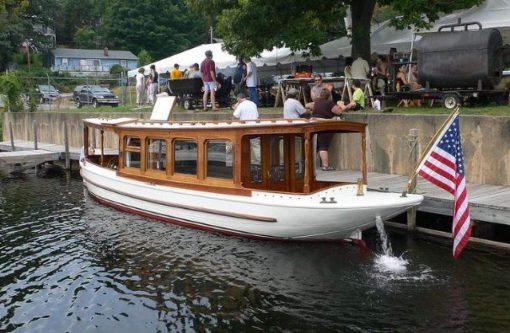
208, 73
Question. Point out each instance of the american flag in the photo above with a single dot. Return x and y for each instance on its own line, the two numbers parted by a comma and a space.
444, 166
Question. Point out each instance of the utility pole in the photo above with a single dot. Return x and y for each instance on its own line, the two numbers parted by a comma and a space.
27, 44
211, 32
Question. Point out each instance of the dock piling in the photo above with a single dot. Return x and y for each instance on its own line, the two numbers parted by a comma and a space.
413, 159
66, 148
34, 130
11, 136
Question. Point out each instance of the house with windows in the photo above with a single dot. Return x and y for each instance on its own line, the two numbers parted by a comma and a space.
83, 62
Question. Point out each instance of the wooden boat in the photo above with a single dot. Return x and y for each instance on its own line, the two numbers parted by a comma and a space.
258, 179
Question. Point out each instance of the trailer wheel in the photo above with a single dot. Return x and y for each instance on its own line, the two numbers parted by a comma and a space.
187, 104
451, 101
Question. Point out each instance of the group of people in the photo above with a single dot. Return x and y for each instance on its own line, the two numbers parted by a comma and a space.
323, 106
246, 75
176, 73
146, 86
246, 108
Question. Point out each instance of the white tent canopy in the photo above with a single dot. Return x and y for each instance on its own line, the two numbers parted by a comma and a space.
195, 55
222, 58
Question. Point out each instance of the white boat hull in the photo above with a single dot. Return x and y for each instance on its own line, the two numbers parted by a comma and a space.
263, 215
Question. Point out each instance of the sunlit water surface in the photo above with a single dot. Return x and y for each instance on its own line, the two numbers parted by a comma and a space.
69, 264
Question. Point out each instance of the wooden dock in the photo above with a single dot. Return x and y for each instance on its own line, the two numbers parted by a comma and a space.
488, 203
25, 156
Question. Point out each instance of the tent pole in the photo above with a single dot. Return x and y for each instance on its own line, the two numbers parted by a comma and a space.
411, 58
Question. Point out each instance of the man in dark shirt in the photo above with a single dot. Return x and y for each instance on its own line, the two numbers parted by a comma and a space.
325, 108
208, 73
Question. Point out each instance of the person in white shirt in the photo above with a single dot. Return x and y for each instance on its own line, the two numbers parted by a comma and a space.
292, 108
251, 80
245, 109
140, 87
360, 69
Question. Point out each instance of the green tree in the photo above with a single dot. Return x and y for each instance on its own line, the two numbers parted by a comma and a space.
162, 27
11, 28
116, 69
144, 58
40, 15
251, 26
11, 87
76, 14
84, 38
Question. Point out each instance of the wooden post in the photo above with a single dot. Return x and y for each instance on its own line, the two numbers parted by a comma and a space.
11, 136
413, 160
34, 129
94, 143
102, 148
278, 95
66, 148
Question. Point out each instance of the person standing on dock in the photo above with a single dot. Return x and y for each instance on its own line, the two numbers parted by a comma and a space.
325, 108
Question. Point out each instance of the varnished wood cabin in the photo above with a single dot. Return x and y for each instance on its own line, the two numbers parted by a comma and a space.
222, 156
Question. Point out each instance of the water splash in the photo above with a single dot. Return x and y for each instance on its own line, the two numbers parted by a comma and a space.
387, 262
385, 244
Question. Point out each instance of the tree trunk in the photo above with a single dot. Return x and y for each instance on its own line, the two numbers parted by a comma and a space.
361, 12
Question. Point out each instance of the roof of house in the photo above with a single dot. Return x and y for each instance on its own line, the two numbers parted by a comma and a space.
93, 54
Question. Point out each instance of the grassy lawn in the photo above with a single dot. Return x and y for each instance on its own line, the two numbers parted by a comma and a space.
501, 110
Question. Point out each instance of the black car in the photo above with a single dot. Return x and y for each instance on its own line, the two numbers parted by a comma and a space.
95, 96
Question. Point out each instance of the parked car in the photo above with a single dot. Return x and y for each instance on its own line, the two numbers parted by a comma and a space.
95, 96
47, 93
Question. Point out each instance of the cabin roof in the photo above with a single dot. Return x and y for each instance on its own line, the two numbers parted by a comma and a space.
131, 123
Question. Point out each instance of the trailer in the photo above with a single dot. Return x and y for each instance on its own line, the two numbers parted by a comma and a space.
458, 67
189, 92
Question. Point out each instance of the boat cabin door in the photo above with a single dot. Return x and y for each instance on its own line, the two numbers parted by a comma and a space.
273, 162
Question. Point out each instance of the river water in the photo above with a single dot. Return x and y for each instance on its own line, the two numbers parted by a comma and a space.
69, 264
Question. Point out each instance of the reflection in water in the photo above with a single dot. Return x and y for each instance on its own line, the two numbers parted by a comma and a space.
69, 264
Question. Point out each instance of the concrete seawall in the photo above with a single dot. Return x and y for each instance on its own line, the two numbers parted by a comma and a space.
486, 139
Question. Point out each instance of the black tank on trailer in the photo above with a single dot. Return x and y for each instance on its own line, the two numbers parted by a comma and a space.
461, 59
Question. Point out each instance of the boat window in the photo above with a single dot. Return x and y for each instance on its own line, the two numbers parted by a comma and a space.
156, 154
185, 157
255, 161
299, 157
132, 141
276, 159
132, 152
219, 159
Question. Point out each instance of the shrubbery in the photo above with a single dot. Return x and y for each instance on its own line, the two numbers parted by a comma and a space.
11, 87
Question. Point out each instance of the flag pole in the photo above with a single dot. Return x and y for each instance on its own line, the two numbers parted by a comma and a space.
426, 151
